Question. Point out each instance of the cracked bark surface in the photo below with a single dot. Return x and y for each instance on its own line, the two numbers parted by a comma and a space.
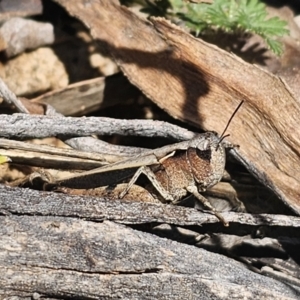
73, 255
65, 257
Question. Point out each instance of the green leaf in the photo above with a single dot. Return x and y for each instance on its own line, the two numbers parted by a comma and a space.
4, 159
275, 46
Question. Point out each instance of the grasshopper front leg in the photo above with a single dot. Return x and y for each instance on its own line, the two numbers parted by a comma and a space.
193, 190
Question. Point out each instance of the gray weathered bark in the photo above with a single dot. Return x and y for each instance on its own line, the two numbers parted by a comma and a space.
65, 257
45, 251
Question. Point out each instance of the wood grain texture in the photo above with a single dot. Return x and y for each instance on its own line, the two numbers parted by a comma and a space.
67, 257
59, 246
25, 126
29, 202
202, 84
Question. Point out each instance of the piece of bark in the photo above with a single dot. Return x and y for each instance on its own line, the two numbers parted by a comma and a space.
68, 257
196, 81
90, 95
30, 202
131, 286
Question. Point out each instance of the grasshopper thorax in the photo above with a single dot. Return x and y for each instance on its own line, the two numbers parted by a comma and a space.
206, 156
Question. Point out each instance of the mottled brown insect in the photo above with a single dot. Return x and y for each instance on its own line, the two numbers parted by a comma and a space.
178, 169
192, 167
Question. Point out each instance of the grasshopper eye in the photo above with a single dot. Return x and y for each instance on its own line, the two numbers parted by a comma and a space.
204, 145
204, 154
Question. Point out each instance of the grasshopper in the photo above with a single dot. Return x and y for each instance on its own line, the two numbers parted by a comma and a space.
176, 170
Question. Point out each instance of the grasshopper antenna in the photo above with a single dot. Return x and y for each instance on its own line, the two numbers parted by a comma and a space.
223, 136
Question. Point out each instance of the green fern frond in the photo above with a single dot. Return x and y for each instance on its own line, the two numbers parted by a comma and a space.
233, 16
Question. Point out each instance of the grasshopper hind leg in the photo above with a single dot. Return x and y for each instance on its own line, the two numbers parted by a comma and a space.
165, 194
151, 176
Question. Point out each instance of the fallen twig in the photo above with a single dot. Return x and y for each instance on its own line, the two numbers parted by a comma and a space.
31, 202
10, 98
22, 126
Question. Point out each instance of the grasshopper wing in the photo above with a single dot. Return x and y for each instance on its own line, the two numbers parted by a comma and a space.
122, 169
